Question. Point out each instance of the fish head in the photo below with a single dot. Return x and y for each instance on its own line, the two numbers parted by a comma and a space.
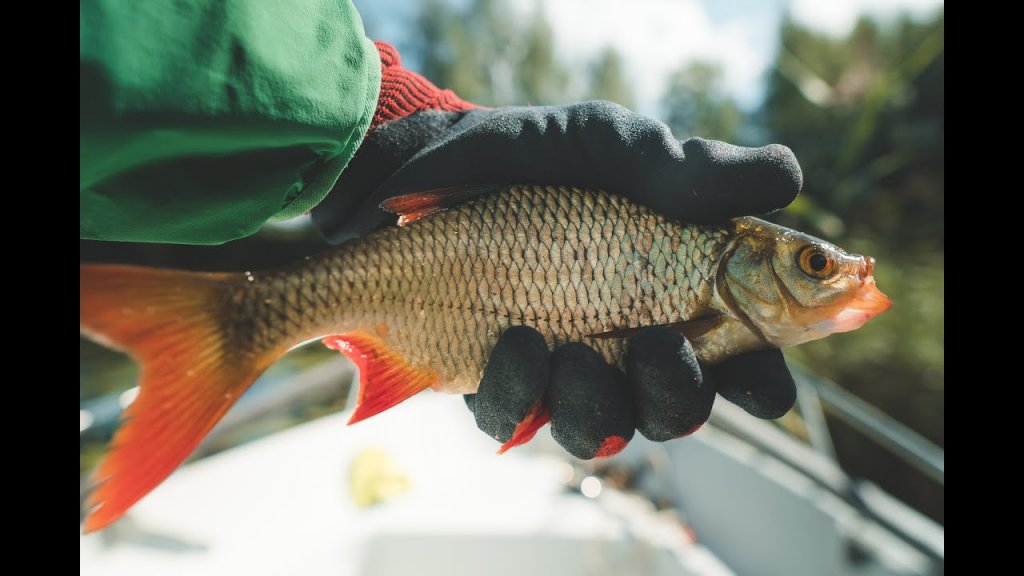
789, 287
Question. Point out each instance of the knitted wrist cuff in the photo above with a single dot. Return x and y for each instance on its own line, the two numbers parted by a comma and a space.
403, 92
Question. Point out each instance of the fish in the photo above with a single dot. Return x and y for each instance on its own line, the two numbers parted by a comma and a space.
420, 305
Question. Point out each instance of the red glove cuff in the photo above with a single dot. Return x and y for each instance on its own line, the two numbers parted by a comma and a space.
403, 92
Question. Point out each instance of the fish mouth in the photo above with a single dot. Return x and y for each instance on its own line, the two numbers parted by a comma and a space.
867, 303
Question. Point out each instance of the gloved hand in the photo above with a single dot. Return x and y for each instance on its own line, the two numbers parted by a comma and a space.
593, 408
423, 137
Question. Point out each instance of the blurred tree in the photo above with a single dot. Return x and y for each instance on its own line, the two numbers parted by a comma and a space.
544, 79
488, 54
696, 104
865, 116
608, 79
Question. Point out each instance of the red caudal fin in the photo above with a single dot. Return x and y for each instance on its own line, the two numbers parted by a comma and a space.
171, 323
385, 378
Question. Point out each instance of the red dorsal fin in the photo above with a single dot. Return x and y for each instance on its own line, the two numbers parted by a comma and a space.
385, 378
411, 207
410, 217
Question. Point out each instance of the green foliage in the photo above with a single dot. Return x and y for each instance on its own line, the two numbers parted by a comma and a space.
608, 79
488, 54
696, 104
865, 116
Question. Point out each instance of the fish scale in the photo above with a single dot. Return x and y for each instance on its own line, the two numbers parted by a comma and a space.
569, 262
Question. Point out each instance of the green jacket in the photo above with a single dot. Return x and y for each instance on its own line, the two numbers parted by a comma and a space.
202, 119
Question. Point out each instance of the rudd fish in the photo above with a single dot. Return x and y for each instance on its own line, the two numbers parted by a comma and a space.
420, 306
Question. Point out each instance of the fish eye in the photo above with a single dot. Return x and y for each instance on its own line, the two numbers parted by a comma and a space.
816, 263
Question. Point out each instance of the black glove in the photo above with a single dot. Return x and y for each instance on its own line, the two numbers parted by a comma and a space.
594, 408
599, 144
423, 137
427, 138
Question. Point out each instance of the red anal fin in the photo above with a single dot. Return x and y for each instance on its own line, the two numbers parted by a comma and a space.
527, 429
385, 378
411, 207
689, 328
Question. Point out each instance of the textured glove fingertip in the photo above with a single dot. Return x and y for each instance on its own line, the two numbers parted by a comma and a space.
759, 382
783, 178
672, 396
514, 381
737, 181
591, 413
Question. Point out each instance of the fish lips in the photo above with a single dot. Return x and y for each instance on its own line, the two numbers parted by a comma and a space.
867, 303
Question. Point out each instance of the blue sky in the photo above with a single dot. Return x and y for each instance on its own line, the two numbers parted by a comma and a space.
656, 37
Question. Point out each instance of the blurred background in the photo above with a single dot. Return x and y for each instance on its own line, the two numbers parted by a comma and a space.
856, 89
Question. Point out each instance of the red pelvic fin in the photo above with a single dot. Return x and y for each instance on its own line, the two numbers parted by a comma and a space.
385, 378
411, 207
527, 429
169, 322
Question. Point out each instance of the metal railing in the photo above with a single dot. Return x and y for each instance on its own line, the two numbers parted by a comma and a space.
888, 433
818, 397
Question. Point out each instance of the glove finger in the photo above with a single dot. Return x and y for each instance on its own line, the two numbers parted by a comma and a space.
732, 181
513, 386
759, 382
698, 181
672, 396
589, 402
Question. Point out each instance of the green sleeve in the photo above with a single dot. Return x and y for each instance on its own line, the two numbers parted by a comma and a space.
202, 119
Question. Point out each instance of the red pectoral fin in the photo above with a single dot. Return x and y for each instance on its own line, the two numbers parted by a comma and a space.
385, 378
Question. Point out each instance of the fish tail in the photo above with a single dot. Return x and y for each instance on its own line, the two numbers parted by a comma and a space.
173, 324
